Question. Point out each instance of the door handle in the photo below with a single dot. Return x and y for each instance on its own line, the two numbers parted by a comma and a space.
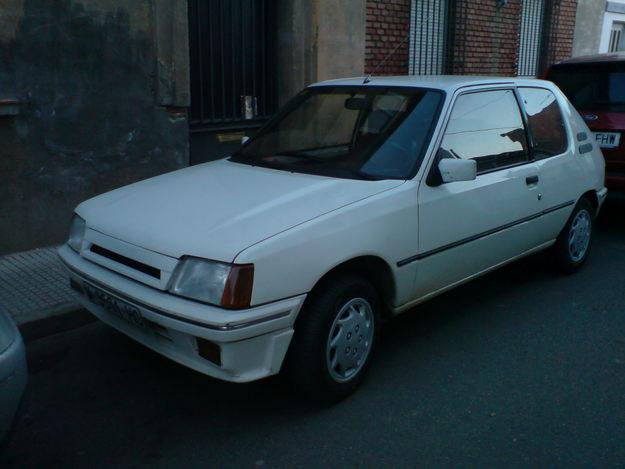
530, 180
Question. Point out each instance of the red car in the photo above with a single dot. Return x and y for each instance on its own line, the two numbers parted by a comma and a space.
595, 85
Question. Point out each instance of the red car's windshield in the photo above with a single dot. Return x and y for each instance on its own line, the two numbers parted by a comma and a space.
592, 86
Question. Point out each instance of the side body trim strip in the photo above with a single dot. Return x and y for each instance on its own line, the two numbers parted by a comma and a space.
423, 255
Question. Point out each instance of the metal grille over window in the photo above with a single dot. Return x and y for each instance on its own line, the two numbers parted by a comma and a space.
232, 65
532, 18
617, 38
428, 37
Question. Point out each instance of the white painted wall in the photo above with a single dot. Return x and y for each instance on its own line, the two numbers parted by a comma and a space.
608, 19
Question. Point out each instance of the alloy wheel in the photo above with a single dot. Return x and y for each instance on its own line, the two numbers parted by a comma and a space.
579, 235
350, 339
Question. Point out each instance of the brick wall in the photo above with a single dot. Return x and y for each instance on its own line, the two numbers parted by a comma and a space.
388, 24
558, 35
486, 38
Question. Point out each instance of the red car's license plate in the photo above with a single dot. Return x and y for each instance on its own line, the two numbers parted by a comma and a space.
114, 305
608, 139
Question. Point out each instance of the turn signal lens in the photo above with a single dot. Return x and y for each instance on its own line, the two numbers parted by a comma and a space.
238, 290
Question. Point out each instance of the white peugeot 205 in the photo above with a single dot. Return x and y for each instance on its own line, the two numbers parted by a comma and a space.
357, 201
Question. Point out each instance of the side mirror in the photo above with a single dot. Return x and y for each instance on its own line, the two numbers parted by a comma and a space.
244, 139
455, 169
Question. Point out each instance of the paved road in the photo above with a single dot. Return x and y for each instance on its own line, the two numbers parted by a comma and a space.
520, 367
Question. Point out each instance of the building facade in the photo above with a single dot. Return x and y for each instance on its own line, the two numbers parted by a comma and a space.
600, 27
498, 37
96, 94
613, 27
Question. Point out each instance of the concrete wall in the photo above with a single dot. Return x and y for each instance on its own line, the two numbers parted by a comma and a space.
102, 86
588, 25
318, 40
340, 39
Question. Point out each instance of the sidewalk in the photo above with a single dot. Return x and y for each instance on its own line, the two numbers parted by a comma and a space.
34, 285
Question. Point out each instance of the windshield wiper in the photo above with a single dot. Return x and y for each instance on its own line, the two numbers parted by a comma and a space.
302, 155
355, 172
362, 175
276, 165
237, 155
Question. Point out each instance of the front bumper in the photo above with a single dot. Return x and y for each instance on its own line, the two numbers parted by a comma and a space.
251, 343
13, 379
601, 196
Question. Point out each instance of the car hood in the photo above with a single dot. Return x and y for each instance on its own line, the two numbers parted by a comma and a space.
217, 209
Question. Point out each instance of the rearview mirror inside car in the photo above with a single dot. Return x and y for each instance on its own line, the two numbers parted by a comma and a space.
456, 169
357, 104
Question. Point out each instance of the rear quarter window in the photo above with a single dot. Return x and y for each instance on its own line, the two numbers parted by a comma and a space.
545, 120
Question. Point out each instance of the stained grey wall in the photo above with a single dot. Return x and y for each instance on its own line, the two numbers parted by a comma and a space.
319, 40
588, 24
102, 86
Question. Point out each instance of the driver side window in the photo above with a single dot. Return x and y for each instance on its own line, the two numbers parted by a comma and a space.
487, 127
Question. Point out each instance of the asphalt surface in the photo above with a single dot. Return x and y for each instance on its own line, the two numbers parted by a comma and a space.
521, 367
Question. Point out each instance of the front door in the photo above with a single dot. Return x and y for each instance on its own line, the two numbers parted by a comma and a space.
470, 226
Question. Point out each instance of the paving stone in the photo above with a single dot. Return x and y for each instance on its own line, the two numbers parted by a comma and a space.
34, 285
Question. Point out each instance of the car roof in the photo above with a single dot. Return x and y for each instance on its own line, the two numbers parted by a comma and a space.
610, 57
449, 83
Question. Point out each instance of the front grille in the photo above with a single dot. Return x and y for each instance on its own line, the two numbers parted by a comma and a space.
133, 264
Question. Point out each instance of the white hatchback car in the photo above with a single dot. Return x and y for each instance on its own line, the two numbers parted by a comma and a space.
355, 203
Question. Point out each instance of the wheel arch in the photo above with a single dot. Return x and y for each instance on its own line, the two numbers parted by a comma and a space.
591, 196
375, 269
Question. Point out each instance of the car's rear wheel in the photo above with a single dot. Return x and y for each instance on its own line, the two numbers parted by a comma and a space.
334, 339
573, 244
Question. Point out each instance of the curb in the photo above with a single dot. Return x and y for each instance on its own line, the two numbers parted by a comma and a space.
64, 322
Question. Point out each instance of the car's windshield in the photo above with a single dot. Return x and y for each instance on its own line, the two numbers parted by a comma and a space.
353, 132
592, 87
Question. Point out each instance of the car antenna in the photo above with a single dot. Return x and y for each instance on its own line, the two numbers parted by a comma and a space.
383, 61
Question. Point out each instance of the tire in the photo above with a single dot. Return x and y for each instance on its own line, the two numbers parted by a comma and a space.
573, 243
314, 360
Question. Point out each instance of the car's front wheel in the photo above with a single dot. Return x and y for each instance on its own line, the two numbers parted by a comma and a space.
334, 339
573, 244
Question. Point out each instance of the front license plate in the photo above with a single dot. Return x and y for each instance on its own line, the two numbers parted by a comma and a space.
608, 139
114, 305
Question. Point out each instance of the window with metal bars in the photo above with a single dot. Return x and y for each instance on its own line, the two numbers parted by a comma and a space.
232, 62
530, 40
429, 23
616, 38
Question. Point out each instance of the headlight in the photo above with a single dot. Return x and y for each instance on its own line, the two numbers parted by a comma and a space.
76, 233
218, 283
